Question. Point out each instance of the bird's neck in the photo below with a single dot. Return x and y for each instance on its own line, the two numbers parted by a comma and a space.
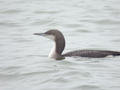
56, 51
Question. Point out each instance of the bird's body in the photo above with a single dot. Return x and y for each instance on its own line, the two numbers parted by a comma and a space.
59, 45
92, 53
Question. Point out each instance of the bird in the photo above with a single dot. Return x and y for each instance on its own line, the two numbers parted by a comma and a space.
59, 44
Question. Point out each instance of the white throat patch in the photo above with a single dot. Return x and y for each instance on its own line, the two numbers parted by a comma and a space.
53, 53
51, 37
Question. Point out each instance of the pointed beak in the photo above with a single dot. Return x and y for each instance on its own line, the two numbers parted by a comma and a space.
40, 34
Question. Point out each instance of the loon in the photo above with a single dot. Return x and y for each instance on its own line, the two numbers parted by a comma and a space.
59, 45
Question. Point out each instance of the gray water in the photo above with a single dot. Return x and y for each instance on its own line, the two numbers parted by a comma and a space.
86, 24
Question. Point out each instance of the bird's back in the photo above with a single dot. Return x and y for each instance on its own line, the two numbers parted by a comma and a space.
92, 53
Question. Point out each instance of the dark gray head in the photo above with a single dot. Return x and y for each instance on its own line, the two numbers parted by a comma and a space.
52, 34
57, 37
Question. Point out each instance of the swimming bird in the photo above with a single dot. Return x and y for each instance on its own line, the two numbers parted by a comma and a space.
59, 45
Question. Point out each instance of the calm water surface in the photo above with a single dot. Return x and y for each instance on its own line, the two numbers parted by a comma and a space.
86, 24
